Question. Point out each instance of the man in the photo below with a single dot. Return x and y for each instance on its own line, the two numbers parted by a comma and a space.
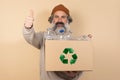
60, 19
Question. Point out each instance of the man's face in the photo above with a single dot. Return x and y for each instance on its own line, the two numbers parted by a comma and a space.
60, 16
60, 20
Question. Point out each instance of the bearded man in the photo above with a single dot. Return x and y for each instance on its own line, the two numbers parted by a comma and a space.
60, 19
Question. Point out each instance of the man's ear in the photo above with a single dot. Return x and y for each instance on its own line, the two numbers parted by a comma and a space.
69, 19
50, 19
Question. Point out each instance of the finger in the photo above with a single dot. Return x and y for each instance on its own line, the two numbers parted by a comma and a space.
28, 24
89, 35
29, 19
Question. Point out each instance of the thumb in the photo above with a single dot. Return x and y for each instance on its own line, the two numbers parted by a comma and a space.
31, 13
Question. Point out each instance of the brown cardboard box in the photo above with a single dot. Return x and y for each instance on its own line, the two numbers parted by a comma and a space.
68, 55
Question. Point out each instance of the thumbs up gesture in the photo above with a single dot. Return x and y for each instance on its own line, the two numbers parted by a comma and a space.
29, 20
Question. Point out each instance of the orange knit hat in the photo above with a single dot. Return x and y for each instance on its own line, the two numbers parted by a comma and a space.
61, 8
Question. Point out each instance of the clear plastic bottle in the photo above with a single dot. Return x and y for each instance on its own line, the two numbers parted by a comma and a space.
60, 34
83, 38
63, 35
50, 34
68, 36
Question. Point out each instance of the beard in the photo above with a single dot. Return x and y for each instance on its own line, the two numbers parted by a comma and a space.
60, 28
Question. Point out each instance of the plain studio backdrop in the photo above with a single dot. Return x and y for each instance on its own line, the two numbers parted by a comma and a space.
101, 18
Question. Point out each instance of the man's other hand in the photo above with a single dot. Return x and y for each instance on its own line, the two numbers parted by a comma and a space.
90, 36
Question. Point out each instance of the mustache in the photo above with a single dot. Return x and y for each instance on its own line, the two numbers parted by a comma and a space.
59, 23
55, 26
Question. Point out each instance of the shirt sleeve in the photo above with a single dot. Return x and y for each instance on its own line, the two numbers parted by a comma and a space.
33, 38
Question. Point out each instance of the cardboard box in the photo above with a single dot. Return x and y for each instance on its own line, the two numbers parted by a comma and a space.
68, 55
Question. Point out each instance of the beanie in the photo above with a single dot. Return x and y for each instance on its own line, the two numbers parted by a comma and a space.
61, 8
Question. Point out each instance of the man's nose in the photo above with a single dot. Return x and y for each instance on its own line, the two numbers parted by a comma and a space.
59, 20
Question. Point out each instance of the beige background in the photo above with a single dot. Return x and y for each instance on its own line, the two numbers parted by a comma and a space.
101, 18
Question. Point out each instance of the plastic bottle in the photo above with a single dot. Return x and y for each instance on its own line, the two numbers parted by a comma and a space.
83, 38
50, 34
60, 35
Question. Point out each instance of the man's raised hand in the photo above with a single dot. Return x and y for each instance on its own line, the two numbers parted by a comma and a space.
29, 20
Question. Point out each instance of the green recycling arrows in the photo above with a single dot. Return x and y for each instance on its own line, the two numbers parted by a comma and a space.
65, 52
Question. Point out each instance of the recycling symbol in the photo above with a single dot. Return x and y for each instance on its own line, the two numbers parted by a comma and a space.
63, 58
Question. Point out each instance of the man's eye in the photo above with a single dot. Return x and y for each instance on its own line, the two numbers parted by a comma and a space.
55, 16
63, 16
